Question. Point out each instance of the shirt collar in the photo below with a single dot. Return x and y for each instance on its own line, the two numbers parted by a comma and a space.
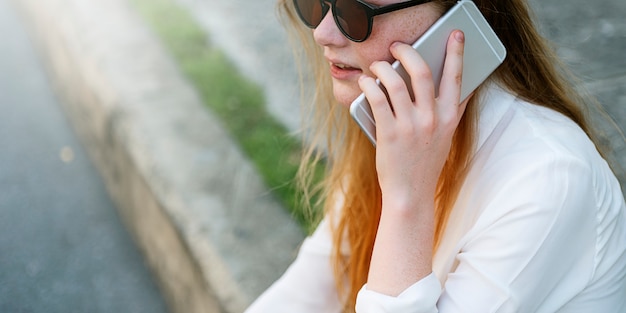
494, 102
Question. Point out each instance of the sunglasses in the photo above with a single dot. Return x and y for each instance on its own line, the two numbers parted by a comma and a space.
354, 18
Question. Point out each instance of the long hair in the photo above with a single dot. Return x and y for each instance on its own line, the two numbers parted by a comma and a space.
531, 71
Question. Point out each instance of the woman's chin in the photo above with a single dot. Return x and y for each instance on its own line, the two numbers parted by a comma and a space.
345, 97
344, 103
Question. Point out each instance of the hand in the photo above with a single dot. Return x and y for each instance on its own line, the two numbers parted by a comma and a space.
414, 136
413, 141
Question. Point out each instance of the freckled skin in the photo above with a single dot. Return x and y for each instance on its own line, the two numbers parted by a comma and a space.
404, 26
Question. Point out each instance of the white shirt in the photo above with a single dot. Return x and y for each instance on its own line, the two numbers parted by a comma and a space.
539, 226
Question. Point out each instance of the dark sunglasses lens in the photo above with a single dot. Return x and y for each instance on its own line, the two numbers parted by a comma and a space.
352, 18
310, 11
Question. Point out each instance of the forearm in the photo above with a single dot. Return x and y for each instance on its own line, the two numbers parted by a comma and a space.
403, 248
414, 138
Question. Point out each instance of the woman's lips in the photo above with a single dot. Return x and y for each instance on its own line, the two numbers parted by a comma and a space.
343, 72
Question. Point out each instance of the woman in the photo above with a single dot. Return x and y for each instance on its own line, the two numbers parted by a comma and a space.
501, 203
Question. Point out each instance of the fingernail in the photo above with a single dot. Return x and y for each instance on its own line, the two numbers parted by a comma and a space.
395, 44
459, 36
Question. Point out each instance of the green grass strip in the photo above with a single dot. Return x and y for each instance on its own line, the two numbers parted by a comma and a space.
235, 100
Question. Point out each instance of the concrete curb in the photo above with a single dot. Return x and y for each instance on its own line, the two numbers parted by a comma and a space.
196, 207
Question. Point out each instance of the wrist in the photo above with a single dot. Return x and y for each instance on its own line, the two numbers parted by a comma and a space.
408, 205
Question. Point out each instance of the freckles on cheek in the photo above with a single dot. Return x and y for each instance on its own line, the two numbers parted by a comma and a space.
414, 28
406, 28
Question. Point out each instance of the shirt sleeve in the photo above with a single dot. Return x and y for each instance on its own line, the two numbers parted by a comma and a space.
419, 297
531, 249
308, 285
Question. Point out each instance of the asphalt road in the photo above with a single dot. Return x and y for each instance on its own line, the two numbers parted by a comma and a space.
63, 247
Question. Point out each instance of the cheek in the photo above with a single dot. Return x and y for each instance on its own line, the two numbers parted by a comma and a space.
406, 30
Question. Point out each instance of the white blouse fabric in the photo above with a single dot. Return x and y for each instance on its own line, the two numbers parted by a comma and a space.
539, 226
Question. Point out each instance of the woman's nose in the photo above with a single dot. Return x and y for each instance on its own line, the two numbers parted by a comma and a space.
327, 33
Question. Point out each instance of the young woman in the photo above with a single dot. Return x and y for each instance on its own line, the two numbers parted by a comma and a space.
499, 203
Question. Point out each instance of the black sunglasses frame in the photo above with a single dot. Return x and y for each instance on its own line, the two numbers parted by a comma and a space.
370, 11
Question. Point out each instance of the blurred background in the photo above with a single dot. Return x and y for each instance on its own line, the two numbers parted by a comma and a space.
65, 246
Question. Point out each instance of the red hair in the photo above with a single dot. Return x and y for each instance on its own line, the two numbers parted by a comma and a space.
531, 71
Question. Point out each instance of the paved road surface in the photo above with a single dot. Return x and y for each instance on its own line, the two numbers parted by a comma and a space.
62, 246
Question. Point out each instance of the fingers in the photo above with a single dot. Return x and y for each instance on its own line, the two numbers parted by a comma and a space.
395, 87
398, 93
419, 72
396, 102
450, 86
381, 109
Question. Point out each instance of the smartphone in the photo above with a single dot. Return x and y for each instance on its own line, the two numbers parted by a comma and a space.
483, 53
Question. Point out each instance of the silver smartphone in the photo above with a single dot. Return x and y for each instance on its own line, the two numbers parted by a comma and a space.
483, 53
